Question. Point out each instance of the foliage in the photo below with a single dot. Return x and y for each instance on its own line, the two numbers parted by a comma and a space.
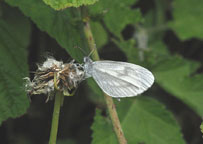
123, 30
62, 4
143, 120
14, 39
61, 25
65, 141
187, 20
177, 79
116, 14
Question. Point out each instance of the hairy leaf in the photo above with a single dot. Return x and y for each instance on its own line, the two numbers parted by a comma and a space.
143, 120
117, 14
187, 18
65, 26
14, 39
176, 76
62, 4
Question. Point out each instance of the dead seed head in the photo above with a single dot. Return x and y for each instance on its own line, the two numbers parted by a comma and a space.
67, 77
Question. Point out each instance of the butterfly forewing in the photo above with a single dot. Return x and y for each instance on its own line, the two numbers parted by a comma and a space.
120, 79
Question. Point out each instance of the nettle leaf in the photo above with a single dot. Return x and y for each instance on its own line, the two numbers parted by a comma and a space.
117, 14
187, 18
100, 35
62, 4
65, 26
176, 76
14, 39
144, 120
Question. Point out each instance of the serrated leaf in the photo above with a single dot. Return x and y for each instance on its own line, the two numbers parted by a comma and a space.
117, 14
65, 26
14, 39
187, 19
62, 4
175, 76
143, 120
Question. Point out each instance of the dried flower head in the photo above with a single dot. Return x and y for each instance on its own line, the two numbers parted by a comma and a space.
53, 74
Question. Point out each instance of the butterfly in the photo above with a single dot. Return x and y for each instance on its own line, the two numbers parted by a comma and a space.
118, 79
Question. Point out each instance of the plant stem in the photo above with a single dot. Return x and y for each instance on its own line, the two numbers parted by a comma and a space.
109, 101
160, 12
55, 118
115, 120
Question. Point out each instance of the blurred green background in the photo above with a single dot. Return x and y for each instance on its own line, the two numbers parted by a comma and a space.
165, 36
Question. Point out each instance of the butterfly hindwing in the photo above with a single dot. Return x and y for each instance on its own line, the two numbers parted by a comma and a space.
121, 79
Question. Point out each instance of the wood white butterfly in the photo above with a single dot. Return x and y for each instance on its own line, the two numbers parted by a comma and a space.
119, 79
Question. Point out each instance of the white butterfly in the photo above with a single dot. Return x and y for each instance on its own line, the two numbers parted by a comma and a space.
119, 79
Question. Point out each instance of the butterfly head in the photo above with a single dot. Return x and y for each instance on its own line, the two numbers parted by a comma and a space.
88, 66
87, 60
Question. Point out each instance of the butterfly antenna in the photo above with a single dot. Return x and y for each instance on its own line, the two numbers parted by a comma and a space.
92, 52
84, 52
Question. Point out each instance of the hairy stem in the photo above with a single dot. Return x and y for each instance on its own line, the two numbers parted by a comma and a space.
55, 118
109, 101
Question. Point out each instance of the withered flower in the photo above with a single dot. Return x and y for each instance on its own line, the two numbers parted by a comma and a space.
53, 74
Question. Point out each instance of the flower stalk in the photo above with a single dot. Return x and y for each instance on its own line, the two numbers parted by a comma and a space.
55, 118
109, 101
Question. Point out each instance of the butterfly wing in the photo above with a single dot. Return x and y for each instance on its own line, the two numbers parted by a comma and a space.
121, 79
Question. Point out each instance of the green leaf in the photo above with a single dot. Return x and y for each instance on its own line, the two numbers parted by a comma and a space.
65, 26
143, 120
187, 18
201, 127
100, 35
128, 47
62, 4
95, 93
65, 141
157, 52
117, 14
14, 39
176, 76
141, 50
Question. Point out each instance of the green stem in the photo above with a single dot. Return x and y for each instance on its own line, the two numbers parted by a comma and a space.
55, 118
160, 12
109, 101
